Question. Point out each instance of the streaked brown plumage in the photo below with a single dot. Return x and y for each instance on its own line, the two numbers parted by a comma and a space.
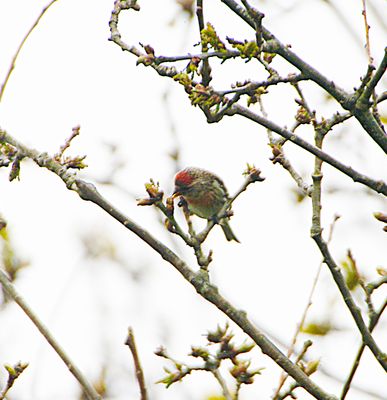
205, 194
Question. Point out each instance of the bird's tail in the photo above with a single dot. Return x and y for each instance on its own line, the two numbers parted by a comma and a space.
228, 231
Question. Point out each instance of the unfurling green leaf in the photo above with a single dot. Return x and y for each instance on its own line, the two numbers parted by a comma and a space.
352, 277
211, 39
317, 328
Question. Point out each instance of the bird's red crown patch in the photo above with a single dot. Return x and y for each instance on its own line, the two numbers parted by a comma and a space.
183, 178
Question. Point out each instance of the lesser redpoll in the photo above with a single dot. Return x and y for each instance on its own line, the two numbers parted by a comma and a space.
205, 195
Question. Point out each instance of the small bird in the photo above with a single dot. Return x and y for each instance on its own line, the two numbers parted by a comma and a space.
205, 195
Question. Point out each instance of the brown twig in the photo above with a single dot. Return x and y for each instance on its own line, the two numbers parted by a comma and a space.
280, 157
75, 132
367, 33
115, 37
294, 385
130, 342
360, 351
13, 62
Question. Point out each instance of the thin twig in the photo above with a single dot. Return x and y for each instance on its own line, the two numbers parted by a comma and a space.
370, 87
226, 393
13, 62
130, 342
75, 132
280, 157
202, 56
9, 288
284, 376
367, 33
250, 87
371, 286
206, 68
257, 17
294, 385
360, 351
115, 36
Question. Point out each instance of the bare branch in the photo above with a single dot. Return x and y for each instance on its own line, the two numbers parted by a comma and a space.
9, 288
367, 32
380, 71
378, 186
226, 393
130, 342
360, 351
206, 68
115, 37
13, 62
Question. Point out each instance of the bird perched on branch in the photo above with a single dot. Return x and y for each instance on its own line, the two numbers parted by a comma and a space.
205, 195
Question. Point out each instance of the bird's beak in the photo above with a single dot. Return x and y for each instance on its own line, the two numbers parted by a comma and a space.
175, 193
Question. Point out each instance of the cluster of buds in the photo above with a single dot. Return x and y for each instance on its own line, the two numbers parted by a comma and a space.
247, 49
210, 38
382, 217
7, 154
253, 174
148, 58
204, 96
10, 154
76, 162
14, 371
155, 194
212, 358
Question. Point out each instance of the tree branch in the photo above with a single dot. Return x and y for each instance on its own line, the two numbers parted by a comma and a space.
115, 37
347, 297
13, 62
346, 100
360, 351
131, 343
378, 186
206, 68
9, 288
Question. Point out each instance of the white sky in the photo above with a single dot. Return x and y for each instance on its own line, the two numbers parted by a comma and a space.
69, 74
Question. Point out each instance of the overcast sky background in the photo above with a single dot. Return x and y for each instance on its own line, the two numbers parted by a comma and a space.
69, 74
